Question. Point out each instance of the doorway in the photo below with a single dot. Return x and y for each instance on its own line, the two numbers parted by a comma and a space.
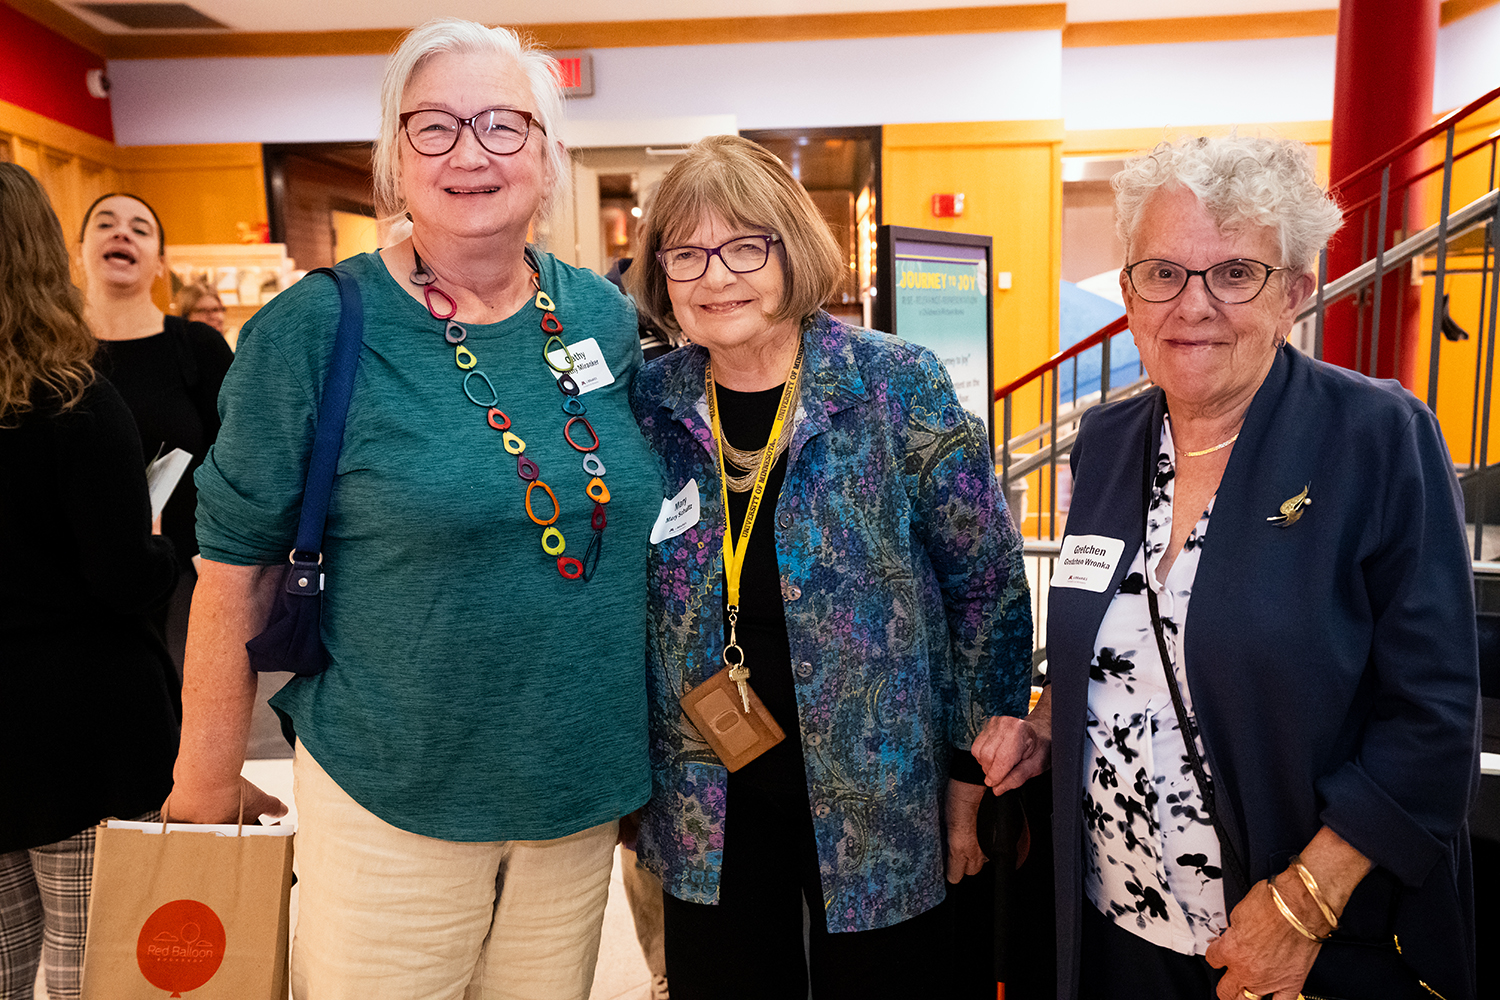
321, 200
840, 168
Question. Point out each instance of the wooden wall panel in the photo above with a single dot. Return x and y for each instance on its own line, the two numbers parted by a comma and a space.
72, 165
1010, 174
202, 193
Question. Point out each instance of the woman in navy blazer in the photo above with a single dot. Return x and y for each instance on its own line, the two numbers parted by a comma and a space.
1328, 669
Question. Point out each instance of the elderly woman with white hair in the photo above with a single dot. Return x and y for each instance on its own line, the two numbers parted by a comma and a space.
462, 763
1276, 782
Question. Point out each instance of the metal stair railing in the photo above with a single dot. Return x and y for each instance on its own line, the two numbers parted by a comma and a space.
1468, 233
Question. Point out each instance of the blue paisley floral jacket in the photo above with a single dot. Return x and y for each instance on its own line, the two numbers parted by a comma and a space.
907, 610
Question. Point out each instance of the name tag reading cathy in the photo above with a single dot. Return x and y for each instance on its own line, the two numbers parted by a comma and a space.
1087, 562
590, 370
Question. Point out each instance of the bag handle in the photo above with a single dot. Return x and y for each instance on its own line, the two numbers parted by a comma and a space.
331, 415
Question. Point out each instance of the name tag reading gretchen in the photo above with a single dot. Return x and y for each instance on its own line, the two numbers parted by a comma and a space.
589, 368
1087, 562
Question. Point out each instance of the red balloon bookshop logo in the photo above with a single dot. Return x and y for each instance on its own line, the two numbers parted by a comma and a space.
181, 946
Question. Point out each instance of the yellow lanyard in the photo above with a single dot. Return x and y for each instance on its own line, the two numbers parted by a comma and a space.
734, 555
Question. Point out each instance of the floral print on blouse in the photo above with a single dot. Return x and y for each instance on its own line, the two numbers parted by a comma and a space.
907, 611
1152, 858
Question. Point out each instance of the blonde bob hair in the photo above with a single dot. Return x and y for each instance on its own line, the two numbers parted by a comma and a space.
745, 187
458, 37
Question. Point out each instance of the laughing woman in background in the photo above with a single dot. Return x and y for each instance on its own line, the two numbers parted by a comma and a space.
167, 368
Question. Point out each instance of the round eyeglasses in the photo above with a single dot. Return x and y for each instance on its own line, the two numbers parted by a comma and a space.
502, 131
741, 255
1232, 282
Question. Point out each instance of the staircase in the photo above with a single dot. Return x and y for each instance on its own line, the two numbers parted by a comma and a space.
1448, 259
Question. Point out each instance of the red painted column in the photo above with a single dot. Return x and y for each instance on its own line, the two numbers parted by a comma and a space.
1382, 96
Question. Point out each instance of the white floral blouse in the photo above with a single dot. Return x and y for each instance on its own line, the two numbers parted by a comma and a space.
1152, 858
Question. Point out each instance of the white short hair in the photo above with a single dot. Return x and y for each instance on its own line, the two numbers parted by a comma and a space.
1239, 180
453, 35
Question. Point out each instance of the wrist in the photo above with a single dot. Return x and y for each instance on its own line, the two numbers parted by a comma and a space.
1298, 908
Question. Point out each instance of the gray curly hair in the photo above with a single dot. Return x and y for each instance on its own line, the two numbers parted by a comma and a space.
454, 35
1239, 180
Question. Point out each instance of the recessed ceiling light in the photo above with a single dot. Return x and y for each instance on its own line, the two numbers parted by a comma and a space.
153, 16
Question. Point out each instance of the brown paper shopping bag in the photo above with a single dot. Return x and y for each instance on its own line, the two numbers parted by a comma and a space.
184, 911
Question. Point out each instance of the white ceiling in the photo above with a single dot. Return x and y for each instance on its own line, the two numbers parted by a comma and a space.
336, 15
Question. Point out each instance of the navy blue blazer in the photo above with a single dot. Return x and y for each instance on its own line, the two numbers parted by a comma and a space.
1332, 663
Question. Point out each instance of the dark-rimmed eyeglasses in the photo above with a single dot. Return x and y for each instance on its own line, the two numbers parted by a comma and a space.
1232, 282
502, 131
741, 255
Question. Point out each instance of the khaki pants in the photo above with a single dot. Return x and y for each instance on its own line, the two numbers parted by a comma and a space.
387, 913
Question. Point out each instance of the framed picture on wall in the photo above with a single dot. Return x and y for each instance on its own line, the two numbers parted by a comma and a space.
933, 289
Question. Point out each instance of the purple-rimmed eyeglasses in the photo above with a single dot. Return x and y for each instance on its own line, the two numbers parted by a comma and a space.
741, 255
502, 131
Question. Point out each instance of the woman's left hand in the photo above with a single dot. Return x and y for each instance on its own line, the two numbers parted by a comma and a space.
964, 854
1260, 950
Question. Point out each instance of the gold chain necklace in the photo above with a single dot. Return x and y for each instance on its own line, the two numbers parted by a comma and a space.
1210, 451
750, 460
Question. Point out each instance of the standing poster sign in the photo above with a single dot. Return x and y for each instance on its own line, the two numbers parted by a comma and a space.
933, 289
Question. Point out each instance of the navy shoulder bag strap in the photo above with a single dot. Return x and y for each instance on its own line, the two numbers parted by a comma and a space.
292, 639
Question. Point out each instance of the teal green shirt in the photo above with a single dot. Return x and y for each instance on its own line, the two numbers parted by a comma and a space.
473, 693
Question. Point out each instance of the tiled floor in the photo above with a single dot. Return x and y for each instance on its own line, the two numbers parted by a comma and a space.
621, 973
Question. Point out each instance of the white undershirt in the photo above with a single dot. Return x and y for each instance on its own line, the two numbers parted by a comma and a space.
1151, 854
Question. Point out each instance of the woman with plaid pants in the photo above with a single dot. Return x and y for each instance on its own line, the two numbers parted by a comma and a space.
86, 686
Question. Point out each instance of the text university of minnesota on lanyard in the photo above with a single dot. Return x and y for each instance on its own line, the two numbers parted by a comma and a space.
734, 553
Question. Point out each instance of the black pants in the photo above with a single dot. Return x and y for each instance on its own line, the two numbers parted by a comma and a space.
751, 945
1118, 965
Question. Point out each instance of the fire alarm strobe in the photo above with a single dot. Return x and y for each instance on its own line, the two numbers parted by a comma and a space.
947, 206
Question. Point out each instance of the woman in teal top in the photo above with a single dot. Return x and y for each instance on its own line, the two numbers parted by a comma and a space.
463, 761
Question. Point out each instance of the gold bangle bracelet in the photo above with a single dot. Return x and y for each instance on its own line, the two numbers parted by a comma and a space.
1312, 890
1291, 918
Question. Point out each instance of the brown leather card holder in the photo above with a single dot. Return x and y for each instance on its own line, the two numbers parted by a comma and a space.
738, 737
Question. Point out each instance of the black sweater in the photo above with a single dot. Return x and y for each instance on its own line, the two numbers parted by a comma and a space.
171, 383
85, 707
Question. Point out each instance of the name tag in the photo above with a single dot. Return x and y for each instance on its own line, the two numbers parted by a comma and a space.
678, 514
589, 368
1087, 562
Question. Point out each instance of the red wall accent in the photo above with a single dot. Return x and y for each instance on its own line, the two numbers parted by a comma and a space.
42, 71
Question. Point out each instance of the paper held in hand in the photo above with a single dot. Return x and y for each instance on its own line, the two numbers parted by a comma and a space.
162, 477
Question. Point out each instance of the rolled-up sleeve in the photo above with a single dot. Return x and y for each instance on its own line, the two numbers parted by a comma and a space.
250, 484
1407, 790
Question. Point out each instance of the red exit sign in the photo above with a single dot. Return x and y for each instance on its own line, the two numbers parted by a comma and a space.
575, 71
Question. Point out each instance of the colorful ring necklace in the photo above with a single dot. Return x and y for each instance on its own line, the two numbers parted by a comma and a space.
482, 393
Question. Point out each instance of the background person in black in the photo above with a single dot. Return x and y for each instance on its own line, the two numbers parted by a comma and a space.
168, 369
85, 703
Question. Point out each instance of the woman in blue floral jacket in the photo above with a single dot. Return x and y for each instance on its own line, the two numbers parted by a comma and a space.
882, 608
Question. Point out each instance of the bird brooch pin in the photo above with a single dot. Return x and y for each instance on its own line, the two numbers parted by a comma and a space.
1292, 510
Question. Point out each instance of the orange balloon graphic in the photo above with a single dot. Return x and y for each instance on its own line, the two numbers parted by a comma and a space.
181, 946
